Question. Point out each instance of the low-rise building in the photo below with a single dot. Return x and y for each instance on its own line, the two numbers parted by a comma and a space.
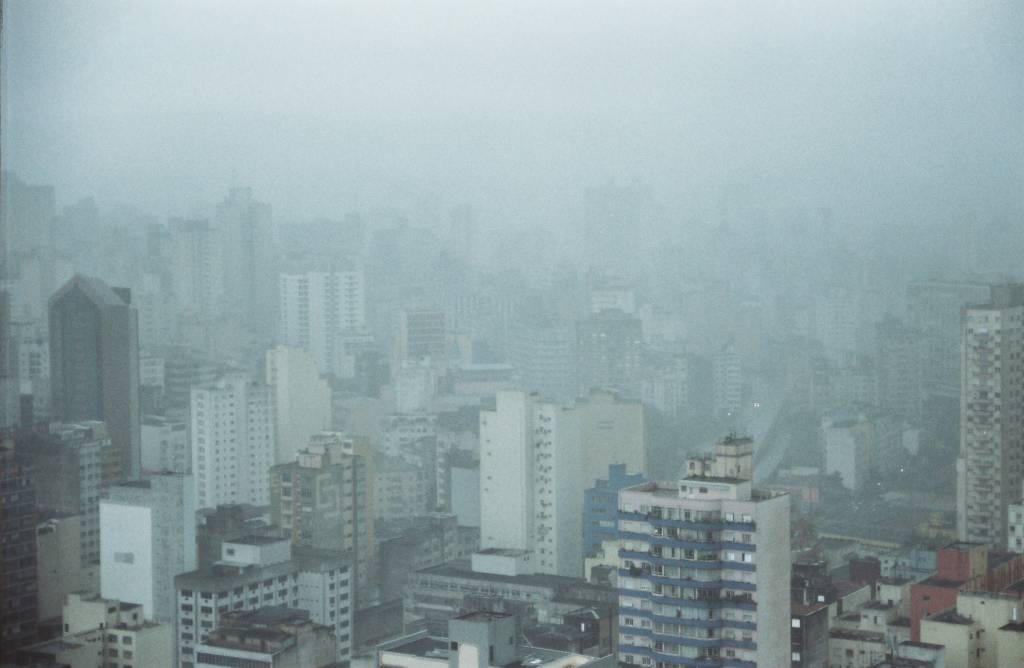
849, 648
100, 633
259, 571
271, 637
481, 640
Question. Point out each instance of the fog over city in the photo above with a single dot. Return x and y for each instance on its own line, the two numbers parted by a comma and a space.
505, 334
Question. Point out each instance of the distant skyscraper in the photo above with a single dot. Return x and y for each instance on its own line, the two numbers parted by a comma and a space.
197, 263
544, 355
26, 214
728, 380
899, 370
318, 309
94, 363
302, 400
147, 536
609, 351
933, 309
991, 464
422, 333
246, 244
232, 441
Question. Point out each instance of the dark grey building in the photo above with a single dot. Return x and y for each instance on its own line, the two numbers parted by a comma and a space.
94, 363
18, 578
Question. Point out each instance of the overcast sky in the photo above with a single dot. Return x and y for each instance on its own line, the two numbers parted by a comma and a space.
887, 108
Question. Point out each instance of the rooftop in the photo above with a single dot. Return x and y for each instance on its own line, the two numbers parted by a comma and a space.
253, 539
950, 616
482, 616
430, 647
855, 634
503, 552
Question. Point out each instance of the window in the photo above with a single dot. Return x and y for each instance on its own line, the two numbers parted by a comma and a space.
124, 557
795, 623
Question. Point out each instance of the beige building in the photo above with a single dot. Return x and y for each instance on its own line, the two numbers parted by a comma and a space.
612, 430
973, 633
99, 632
853, 648
59, 564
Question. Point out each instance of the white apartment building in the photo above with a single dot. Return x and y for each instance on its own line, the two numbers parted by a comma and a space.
302, 400
197, 260
165, 445
261, 571
147, 536
531, 493
990, 468
317, 309
705, 557
232, 441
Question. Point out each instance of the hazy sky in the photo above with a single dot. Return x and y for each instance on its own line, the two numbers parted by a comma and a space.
876, 109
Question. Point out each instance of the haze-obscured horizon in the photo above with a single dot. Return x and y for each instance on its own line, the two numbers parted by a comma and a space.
884, 113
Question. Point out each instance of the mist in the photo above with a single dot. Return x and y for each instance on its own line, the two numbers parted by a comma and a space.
491, 335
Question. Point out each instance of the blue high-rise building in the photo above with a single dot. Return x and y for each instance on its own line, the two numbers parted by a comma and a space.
704, 568
601, 507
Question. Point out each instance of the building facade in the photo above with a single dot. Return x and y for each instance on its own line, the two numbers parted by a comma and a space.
601, 507
18, 578
147, 536
990, 469
318, 309
232, 441
94, 363
255, 572
705, 567
323, 500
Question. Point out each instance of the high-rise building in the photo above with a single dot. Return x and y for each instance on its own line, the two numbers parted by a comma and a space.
933, 309
58, 546
601, 507
706, 557
899, 370
232, 441
990, 468
198, 276
72, 463
544, 355
323, 498
26, 215
531, 491
147, 536
613, 430
94, 363
246, 236
10, 389
609, 353
728, 380
302, 400
421, 334
318, 310
165, 445
18, 576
